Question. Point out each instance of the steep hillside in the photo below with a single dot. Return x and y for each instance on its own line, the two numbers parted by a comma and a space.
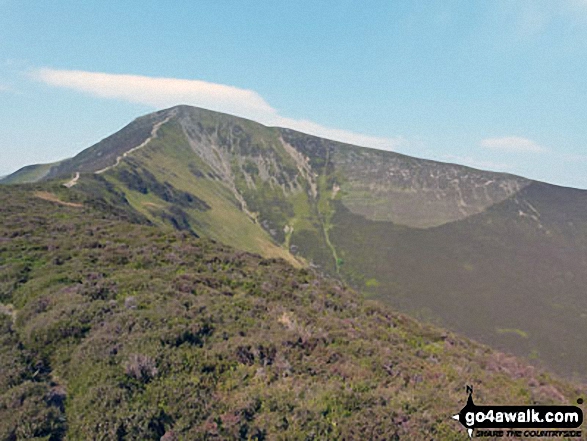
387, 186
495, 256
113, 328
513, 276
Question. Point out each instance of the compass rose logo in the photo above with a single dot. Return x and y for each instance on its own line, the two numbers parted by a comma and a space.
462, 415
514, 418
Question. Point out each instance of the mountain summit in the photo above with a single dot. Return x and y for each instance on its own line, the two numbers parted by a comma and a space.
500, 258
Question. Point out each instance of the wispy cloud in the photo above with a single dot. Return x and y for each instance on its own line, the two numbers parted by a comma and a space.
167, 92
512, 144
157, 92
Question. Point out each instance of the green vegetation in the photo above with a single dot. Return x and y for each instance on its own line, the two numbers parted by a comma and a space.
167, 169
112, 328
469, 250
372, 283
518, 332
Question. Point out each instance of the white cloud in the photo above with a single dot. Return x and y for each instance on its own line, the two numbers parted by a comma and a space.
339, 134
512, 144
167, 92
158, 92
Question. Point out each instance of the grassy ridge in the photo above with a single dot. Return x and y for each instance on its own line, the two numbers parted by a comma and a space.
169, 160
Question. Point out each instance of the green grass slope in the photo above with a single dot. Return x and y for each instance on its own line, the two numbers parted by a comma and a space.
170, 185
28, 174
112, 328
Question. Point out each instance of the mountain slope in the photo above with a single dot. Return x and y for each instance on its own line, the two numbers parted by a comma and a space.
28, 174
513, 277
495, 256
115, 329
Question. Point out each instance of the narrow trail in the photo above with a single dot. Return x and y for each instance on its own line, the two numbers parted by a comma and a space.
71, 183
154, 131
45, 195
153, 135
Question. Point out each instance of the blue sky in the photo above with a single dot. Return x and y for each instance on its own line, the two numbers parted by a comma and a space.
499, 85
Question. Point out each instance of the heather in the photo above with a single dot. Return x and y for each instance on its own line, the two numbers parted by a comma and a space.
114, 328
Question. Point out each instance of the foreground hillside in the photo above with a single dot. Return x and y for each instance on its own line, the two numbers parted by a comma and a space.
112, 328
497, 257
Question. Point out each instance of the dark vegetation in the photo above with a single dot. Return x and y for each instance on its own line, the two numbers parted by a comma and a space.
93, 191
317, 149
514, 282
137, 178
113, 329
104, 153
